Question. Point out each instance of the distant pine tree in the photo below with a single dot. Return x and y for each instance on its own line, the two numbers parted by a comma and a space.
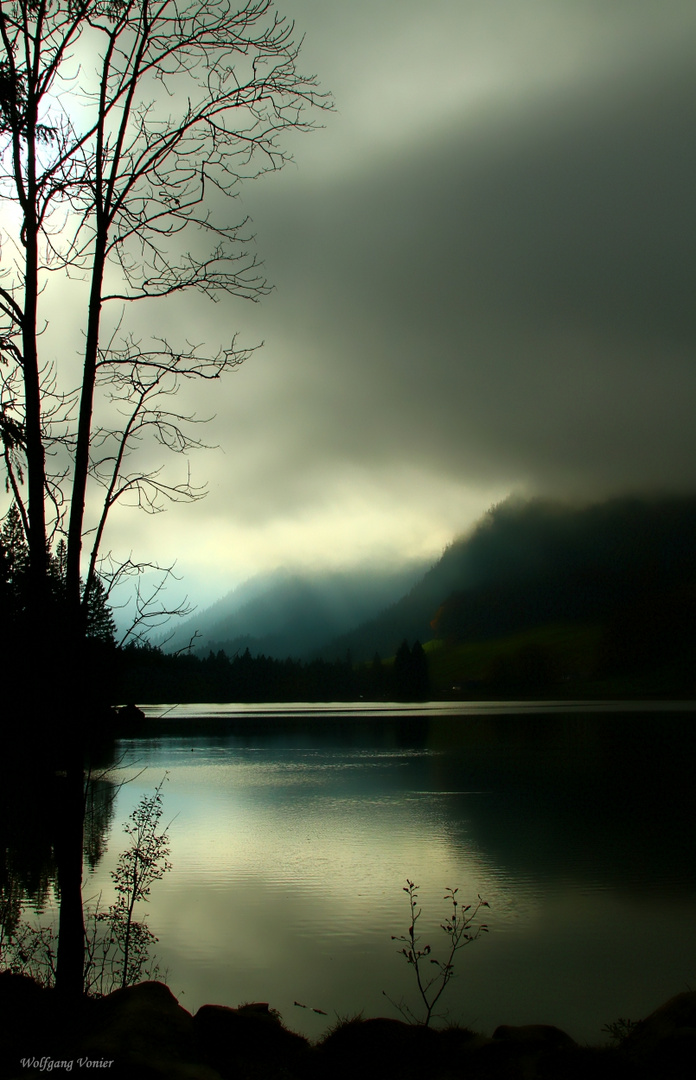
14, 565
14, 581
100, 621
411, 678
420, 677
100, 625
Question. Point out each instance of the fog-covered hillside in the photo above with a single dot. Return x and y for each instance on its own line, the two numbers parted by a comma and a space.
625, 566
293, 613
630, 562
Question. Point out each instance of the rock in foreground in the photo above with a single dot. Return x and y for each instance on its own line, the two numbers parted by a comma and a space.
142, 1032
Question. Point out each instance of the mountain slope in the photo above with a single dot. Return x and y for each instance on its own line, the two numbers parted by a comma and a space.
628, 564
288, 613
409, 617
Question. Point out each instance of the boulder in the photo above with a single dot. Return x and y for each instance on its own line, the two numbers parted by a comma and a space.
144, 1031
378, 1047
30, 1022
544, 1036
229, 1039
666, 1039
130, 719
528, 1051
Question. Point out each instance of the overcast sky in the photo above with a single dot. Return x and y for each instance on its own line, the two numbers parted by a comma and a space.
484, 279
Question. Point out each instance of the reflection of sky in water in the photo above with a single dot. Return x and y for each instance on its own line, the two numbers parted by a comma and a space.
346, 827
289, 864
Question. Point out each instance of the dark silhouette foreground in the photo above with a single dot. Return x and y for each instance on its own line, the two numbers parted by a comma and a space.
142, 1031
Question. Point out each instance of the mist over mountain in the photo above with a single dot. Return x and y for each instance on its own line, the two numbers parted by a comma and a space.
533, 563
540, 599
623, 570
290, 613
627, 561
409, 618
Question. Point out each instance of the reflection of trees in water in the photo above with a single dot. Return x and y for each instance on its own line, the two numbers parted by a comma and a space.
28, 836
27, 857
594, 796
99, 811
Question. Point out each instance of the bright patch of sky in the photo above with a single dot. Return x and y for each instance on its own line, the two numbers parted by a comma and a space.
484, 278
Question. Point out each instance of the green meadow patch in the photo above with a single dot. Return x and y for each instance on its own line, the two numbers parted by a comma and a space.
561, 654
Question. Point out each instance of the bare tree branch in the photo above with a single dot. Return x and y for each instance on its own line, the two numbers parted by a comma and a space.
126, 127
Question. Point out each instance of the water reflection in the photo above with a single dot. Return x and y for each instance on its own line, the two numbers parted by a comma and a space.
293, 837
29, 825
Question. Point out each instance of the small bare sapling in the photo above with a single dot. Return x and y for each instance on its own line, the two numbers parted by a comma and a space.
460, 928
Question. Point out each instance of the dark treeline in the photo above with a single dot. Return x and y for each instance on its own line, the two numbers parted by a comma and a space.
597, 595
143, 673
94, 679
148, 675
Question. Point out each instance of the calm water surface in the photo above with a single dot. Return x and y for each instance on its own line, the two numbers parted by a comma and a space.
294, 830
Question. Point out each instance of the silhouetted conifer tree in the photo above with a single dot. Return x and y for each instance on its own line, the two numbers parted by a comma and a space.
411, 679
14, 566
109, 184
420, 677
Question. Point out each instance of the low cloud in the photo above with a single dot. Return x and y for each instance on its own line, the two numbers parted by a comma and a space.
509, 307
484, 276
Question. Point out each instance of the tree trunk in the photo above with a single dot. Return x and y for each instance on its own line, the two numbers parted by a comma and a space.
36, 461
69, 847
84, 431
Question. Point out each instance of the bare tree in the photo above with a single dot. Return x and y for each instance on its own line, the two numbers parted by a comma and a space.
125, 128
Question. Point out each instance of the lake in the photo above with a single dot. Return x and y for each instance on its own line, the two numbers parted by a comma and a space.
294, 829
